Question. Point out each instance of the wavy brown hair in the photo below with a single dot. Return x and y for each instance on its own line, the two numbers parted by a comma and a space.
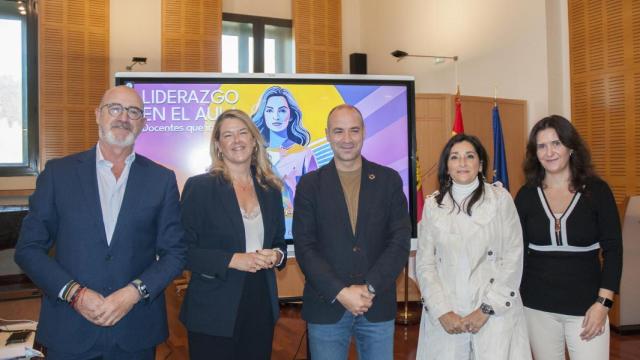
259, 158
580, 164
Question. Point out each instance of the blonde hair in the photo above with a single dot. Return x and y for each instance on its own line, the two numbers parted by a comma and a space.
259, 158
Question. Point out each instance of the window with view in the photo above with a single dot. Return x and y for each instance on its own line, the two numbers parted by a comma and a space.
18, 69
252, 44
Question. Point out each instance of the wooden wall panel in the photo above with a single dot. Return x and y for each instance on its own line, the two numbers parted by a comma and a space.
290, 280
433, 129
317, 32
635, 126
191, 35
73, 73
604, 44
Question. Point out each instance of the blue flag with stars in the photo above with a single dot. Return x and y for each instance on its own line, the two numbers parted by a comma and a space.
499, 154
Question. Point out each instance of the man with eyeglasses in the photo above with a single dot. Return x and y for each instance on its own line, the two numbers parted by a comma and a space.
114, 219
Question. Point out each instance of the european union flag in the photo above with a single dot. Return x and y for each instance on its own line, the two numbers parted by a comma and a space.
499, 155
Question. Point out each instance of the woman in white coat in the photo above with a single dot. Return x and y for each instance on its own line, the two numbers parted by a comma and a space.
469, 263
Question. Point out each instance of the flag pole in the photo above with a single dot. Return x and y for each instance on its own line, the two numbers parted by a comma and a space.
495, 95
407, 316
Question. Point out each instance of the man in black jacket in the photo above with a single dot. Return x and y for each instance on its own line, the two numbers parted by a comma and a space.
352, 232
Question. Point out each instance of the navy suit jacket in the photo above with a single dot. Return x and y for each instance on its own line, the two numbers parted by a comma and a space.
215, 231
332, 257
147, 243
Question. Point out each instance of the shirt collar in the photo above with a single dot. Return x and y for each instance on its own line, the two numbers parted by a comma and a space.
101, 161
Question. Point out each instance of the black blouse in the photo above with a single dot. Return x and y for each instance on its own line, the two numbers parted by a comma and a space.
562, 267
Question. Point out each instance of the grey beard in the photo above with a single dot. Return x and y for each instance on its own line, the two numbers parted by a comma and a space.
112, 140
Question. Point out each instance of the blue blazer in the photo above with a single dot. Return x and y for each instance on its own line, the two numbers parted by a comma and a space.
147, 243
332, 257
214, 231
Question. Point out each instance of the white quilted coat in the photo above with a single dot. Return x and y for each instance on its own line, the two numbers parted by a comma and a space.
484, 254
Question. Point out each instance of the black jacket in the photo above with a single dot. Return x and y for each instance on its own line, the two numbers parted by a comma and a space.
214, 232
329, 254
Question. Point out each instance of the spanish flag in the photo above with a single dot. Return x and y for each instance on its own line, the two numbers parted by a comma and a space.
458, 127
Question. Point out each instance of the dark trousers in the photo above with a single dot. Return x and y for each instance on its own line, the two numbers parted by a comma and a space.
253, 331
104, 349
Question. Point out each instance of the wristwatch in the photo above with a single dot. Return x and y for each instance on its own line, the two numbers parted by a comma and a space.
604, 301
371, 289
487, 309
141, 287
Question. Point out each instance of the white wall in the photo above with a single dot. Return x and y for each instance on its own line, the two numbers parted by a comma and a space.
351, 31
558, 51
135, 30
501, 44
280, 9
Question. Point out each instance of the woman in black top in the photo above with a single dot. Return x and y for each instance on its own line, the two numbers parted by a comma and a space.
568, 216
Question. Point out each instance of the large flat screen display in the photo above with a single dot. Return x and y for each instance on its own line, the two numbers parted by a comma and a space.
181, 110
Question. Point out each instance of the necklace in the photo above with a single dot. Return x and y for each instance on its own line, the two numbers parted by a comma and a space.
244, 187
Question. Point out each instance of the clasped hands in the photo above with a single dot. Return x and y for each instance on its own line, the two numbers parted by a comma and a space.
356, 299
255, 261
456, 324
107, 311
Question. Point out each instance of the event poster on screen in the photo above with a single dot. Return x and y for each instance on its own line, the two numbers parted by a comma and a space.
181, 116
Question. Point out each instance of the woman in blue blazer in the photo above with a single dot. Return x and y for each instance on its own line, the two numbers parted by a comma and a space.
234, 225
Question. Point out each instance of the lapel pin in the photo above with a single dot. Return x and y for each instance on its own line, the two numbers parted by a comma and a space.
372, 176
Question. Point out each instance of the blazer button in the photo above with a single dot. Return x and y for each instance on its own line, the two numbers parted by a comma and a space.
513, 293
490, 252
491, 280
508, 303
356, 249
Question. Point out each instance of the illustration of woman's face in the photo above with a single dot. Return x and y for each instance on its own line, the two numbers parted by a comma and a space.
277, 113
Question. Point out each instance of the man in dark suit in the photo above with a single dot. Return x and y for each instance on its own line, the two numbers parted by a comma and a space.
114, 219
351, 231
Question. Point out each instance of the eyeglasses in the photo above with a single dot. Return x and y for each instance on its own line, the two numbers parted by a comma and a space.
115, 109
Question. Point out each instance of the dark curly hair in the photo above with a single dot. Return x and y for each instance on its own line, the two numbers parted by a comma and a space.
579, 162
444, 182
